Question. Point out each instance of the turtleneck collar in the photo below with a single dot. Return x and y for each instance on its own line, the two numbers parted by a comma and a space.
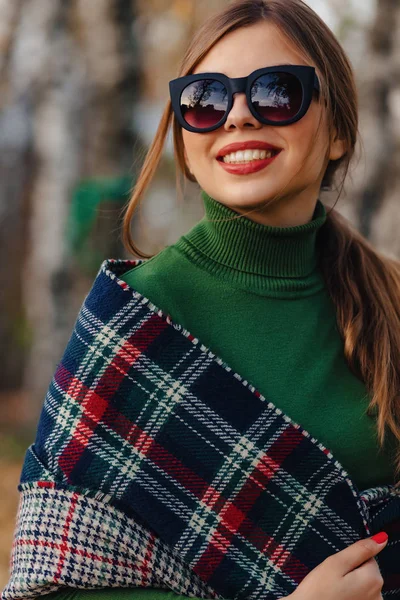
277, 261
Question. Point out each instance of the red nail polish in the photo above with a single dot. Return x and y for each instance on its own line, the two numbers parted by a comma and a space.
380, 537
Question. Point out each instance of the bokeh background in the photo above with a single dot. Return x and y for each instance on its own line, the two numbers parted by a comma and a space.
83, 85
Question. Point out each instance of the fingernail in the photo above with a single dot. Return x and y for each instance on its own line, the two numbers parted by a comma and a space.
380, 537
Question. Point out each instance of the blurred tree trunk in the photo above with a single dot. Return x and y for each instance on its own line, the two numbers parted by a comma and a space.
71, 75
15, 157
385, 40
379, 217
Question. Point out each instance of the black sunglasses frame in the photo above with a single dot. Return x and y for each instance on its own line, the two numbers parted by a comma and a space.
305, 74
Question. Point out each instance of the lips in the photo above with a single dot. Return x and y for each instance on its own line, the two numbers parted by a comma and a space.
250, 145
252, 166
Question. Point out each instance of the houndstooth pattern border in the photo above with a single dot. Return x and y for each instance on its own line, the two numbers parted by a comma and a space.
66, 538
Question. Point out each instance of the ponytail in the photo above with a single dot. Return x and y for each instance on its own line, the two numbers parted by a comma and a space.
365, 289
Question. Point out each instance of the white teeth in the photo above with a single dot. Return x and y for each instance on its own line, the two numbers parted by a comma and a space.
246, 156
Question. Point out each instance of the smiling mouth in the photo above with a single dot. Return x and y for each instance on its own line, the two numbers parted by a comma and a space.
257, 155
247, 167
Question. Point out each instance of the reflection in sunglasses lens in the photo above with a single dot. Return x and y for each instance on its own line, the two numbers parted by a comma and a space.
204, 103
277, 96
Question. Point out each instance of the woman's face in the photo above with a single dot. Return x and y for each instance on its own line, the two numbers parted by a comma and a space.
237, 54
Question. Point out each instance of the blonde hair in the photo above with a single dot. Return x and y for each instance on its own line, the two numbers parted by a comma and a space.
363, 284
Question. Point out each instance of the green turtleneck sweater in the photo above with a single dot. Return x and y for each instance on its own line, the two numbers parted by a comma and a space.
255, 296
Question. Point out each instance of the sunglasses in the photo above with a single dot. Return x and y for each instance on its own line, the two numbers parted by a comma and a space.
278, 95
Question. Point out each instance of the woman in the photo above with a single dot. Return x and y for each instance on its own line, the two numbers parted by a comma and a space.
290, 323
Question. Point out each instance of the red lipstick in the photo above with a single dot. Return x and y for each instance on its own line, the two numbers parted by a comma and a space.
252, 166
250, 145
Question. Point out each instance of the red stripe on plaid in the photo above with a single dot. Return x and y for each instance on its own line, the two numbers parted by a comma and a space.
233, 514
118, 422
209, 561
268, 465
76, 551
173, 467
93, 407
63, 377
65, 545
285, 444
289, 564
128, 430
219, 545
234, 517
145, 568
95, 402
266, 544
266, 468
147, 446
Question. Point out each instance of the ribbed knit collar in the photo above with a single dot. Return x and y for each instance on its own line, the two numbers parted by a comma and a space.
277, 261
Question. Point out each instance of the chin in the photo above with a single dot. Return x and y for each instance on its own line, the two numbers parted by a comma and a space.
243, 201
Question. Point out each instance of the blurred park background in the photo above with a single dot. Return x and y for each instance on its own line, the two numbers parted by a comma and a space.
83, 84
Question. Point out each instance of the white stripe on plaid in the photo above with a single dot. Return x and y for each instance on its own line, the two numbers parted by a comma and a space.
89, 321
71, 411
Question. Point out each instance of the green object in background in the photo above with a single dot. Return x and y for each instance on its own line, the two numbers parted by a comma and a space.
86, 198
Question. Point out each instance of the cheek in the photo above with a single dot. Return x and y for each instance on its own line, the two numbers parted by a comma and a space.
315, 131
308, 143
197, 149
190, 147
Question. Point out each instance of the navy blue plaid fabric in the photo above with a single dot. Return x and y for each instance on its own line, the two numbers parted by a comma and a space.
156, 465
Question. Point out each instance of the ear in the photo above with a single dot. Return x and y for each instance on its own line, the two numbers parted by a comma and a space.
337, 148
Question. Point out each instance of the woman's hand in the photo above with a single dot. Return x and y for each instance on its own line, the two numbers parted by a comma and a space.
351, 574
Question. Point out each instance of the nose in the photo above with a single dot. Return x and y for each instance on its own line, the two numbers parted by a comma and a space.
240, 115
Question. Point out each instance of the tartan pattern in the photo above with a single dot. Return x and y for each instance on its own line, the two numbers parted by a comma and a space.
144, 420
383, 505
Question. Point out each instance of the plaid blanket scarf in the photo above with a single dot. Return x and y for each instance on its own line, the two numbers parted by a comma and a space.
155, 464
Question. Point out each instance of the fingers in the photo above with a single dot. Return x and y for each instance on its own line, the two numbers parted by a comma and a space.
356, 555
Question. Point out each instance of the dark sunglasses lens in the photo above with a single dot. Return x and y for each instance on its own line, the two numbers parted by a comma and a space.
277, 96
204, 103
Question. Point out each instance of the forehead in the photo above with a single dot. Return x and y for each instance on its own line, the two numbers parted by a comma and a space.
244, 50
